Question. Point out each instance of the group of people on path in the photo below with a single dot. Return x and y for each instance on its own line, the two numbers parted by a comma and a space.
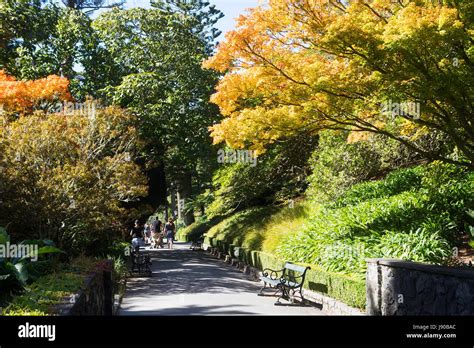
153, 234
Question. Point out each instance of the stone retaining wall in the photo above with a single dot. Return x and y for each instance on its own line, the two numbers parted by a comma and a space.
95, 298
396, 287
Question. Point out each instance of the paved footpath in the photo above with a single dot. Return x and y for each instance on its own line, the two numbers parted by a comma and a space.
186, 282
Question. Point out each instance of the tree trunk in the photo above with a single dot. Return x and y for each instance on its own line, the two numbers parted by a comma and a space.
174, 208
184, 193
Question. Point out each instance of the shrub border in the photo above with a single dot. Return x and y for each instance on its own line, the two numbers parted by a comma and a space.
351, 292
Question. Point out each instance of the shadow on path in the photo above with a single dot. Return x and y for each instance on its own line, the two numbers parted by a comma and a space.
186, 282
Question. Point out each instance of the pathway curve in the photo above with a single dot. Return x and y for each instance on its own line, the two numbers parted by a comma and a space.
186, 282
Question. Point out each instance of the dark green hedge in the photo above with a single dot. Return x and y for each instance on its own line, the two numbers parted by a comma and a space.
341, 287
195, 231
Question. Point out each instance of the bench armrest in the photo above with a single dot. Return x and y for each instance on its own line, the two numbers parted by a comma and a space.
272, 273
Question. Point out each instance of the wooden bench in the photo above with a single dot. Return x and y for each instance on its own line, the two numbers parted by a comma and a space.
141, 262
287, 281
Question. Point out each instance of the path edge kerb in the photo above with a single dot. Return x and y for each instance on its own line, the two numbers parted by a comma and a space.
335, 307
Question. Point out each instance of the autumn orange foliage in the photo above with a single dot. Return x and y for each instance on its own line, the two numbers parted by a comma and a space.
20, 95
294, 66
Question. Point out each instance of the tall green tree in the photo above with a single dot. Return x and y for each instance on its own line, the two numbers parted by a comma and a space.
89, 6
204, 14
159, 53
25, 26
37, 40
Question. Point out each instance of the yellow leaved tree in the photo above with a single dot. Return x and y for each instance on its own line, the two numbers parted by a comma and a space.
64, 176
402, 69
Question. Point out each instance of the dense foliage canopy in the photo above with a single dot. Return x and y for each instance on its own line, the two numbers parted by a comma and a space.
402, 69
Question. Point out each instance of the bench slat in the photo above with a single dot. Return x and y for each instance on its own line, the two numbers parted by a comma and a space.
273, 282
296, 268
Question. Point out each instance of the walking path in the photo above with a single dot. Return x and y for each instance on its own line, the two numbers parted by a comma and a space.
186, 282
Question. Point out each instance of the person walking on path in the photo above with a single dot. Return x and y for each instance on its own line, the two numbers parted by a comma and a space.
137, 235
157, 233
147, 232
170, 230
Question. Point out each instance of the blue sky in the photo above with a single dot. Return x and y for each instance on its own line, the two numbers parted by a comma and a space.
231, 8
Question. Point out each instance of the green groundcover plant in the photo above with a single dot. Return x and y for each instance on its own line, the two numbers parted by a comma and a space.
413, 214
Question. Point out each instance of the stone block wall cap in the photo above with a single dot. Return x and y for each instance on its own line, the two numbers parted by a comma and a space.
379, 260
426, 267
